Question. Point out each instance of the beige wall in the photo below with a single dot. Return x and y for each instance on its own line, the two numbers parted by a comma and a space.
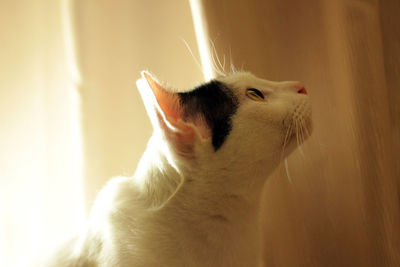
341, 205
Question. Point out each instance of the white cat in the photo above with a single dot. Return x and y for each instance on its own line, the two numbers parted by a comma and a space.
194, 199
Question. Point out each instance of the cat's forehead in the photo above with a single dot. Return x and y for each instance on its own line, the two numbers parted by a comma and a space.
240, 80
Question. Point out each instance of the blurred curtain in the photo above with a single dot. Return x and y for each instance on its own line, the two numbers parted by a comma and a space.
40, 151
340, 206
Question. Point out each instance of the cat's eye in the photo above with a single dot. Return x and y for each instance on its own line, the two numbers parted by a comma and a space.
254, 94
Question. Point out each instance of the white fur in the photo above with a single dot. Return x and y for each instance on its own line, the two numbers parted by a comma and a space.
200, 210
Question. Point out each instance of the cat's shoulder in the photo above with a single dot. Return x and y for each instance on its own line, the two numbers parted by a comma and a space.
119, 193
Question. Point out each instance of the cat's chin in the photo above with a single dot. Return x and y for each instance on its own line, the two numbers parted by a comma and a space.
296, 135
298, 125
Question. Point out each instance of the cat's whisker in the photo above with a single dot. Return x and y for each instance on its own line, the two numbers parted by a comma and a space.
305, 127
214, 65
233, 70
301, 151
242, 67
304, 131
222, 66
297, 131
301, 131
286, 139
219, 68
232, 66
318, 142
301, 137
191, 53
287, 172
283, 149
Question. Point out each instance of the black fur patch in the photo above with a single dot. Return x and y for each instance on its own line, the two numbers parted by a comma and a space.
216, 103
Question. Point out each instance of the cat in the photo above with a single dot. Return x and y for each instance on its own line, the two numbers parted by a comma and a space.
194, 198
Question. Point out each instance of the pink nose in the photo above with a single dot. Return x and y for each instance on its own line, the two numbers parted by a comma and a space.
302, 90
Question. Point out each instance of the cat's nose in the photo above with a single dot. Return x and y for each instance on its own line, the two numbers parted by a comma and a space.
302, 90
294, 87
299, 88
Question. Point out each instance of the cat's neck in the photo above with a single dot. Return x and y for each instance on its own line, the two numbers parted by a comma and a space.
211, 190
202, 209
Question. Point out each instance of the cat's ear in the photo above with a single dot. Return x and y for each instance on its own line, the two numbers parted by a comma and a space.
166, 114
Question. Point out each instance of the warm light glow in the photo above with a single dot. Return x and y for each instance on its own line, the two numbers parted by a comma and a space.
74, 110
69, 41
200, 27
41, 193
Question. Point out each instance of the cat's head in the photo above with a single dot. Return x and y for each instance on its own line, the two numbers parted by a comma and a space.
232, 121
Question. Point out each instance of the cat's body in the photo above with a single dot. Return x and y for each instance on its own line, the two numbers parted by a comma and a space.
194, 199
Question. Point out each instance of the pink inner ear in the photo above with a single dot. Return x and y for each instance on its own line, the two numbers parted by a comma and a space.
182, 140
168, 102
